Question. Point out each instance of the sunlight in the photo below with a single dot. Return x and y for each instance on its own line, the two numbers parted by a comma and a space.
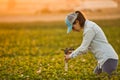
31, 6
36, 6
42, 9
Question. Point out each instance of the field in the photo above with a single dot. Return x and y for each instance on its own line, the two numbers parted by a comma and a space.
32, 51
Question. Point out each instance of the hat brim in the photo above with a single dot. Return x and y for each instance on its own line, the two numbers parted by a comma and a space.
69, 29
69, 25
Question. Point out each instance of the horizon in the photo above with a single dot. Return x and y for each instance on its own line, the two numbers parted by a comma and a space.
52, 10
35, 6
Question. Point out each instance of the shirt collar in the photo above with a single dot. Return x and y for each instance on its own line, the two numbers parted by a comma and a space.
86, 21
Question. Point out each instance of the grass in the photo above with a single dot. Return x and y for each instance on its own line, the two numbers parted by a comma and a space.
32, 51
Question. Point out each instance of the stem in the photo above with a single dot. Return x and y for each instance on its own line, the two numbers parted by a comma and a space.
66, 66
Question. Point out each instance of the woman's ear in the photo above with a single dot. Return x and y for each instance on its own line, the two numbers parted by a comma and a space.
77, 21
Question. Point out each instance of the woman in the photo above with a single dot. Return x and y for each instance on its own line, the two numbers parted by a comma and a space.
94, 40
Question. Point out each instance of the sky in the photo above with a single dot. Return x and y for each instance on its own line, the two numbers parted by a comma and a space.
31, 6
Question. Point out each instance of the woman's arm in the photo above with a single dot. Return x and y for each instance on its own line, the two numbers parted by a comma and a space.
87, 39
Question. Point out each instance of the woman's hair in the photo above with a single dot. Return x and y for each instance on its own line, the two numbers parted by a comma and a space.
80, 18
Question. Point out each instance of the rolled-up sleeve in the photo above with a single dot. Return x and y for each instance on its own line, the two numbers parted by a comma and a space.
87, 39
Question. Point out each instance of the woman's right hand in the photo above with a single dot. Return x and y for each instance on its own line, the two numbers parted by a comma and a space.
67, 58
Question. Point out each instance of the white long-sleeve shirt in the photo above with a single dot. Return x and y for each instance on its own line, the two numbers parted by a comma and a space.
95, 40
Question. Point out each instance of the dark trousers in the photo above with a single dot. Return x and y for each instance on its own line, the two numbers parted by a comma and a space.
109, 66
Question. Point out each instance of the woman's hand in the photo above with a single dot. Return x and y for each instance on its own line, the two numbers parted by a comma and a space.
67, 58
67, 52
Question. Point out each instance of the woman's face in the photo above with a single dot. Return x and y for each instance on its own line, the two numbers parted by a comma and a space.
76, 26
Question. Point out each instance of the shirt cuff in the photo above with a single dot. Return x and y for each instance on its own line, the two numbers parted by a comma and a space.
71, 55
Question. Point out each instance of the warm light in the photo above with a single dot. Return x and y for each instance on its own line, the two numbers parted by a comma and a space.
36, 6
29, 10
33, 6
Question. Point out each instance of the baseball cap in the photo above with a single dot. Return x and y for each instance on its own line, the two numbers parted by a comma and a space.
69, 20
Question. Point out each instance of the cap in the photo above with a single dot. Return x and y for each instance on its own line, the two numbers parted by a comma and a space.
70, 18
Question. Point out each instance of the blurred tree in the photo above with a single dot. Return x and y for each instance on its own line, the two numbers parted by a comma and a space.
70, 4
11, 4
